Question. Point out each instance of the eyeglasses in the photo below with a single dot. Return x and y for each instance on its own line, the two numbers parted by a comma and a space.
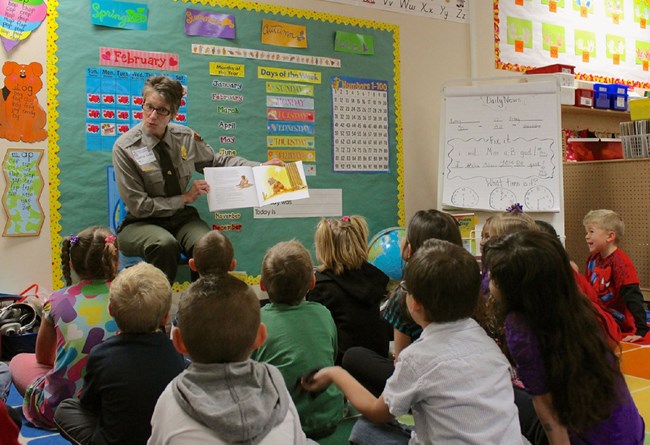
160, 110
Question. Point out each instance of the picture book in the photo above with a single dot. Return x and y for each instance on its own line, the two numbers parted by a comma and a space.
238, 187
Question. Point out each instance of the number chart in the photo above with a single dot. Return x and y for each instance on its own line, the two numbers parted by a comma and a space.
360, 125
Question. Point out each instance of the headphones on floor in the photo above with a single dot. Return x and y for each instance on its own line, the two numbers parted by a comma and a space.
18, 319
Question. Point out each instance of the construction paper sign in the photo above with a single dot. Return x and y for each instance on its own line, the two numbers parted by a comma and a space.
284, 34
299, 128
290, 141
134, 58
24, 118
227, 69
209, 24
348, 42
289, 88
119, 14
19, 19
265, 72
21, 198
282, 114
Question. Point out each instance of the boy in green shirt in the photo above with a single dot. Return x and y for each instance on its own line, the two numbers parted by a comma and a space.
301, 334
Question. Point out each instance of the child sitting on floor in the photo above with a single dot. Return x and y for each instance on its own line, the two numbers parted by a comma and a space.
302, 334
75, 320
224, 397
559, 348
453, 379
612, 274
126, 374
349, 286
212, 254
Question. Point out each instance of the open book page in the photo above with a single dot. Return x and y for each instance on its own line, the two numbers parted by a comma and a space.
237, 187
276, 184
230, 188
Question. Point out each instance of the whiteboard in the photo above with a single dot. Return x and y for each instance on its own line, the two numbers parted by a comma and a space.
501, 145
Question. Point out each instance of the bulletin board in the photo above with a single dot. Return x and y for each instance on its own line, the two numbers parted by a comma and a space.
500, 145
76, 45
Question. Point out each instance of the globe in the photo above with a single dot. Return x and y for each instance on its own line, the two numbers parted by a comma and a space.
384, 251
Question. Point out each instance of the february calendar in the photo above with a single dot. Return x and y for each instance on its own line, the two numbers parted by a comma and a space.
360, 125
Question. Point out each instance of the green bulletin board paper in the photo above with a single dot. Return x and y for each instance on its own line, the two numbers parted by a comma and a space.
376, 196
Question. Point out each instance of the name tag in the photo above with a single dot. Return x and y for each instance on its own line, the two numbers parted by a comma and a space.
143, 156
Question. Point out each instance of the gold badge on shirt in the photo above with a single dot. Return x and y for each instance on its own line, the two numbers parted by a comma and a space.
183, 152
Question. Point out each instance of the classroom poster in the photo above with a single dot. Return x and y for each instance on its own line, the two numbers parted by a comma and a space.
114, 104
360, 125
19, 19
606, 41
22, 195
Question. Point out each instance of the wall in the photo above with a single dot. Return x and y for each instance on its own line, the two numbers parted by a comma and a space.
432, 51
27, 260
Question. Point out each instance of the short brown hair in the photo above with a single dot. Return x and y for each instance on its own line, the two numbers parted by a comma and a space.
219, 317
445, 279
213, 253
140, 298
287, 271
169, 89
341, 244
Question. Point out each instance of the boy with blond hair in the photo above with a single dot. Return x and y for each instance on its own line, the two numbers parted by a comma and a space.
612, 274
223, 397
125, 374
302, 334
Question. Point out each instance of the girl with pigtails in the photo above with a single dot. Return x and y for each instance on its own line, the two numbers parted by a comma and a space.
75, 319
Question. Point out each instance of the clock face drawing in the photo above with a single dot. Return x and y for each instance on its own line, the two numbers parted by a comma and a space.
539, 198
464, 197
502, 198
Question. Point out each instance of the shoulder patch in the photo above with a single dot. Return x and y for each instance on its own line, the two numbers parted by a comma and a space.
197, 137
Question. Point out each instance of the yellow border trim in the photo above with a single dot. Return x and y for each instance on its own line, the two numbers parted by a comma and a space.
53, 142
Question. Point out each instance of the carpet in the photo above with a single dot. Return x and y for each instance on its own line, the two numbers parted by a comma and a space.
635, 364
29, 434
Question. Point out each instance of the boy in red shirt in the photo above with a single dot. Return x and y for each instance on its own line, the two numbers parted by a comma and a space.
612, 274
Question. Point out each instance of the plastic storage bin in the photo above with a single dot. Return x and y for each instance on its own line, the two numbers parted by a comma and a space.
556, 68
601, 100
584, 98
595, 149
636, 146
618, 102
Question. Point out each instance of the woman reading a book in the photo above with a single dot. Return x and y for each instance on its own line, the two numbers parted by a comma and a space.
154, 163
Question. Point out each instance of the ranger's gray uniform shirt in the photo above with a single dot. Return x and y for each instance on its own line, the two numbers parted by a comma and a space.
138, 174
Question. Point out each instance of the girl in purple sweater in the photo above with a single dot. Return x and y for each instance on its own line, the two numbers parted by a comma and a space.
558, 346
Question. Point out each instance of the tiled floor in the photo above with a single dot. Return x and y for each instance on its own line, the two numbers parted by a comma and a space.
635, 363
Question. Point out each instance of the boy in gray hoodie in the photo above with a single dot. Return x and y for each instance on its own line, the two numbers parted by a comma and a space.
224, 397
